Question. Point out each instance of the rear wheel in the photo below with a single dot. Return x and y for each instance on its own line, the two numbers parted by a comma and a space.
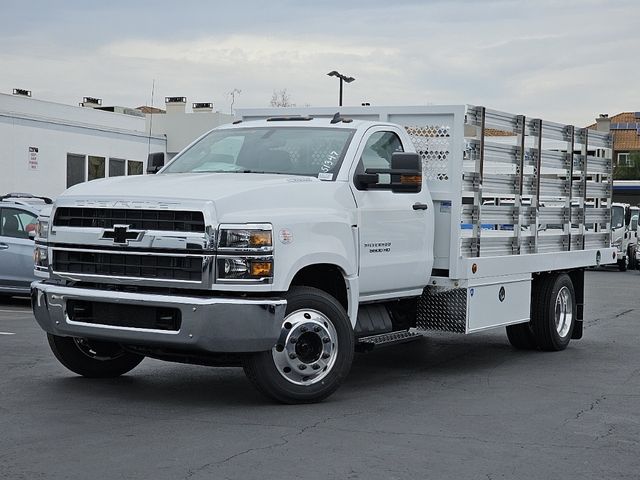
313, 354
553, 311
93, 358
521, 336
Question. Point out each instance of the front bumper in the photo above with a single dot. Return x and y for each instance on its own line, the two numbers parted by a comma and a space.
216, 325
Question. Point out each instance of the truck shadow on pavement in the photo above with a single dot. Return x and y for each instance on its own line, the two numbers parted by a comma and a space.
170, 385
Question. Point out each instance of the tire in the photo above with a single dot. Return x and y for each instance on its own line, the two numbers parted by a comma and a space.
633, 265
93, 358
623, 264
313, 355
553, 311
521, 336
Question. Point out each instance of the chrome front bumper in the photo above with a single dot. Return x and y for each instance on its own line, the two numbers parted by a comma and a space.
214, 325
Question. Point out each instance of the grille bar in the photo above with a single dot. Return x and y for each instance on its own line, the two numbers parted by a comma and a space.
163, 267
164, 220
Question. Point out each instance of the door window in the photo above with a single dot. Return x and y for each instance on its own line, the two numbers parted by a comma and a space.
377, 153
17, 223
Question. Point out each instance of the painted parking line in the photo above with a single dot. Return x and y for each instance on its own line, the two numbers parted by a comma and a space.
6, 333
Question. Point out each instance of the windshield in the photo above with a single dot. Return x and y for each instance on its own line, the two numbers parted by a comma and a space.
617, 216
307, 151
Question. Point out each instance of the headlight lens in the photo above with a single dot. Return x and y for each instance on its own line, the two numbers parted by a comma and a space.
253, 269
245, 253
43, 229
246, 238
40, 258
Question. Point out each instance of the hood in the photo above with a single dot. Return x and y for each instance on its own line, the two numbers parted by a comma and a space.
236, 197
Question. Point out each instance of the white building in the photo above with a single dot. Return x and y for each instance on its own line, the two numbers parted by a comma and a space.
46, 147
182, 127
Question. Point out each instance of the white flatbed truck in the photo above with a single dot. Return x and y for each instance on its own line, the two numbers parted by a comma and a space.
286, 241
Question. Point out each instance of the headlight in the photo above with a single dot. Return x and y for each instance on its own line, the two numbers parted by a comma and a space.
40, 258
43, 229
246, 238
245, 253
243, 269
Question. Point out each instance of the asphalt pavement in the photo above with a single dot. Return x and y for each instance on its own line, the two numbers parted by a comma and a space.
444, 407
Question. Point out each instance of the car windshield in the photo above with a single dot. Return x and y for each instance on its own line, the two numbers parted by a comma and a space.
306, 151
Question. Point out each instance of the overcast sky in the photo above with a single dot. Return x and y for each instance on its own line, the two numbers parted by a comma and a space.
565, 61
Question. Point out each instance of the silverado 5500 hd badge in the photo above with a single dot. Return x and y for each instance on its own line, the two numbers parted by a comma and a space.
378, 247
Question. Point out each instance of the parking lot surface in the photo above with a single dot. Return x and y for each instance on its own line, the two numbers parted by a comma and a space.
446, 406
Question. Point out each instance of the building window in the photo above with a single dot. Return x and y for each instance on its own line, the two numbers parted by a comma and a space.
134, 167
96, 168
116, 167
624, 160
75, 169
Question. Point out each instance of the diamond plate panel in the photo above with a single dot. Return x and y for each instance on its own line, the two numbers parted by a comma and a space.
433, 143
443, 309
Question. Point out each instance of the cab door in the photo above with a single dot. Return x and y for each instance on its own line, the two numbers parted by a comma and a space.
395, 229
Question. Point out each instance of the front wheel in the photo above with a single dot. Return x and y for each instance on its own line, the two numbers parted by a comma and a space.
623, 263
93, 358
313, 354
633, 264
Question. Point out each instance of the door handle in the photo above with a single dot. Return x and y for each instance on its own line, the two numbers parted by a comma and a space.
420, 206
3, 246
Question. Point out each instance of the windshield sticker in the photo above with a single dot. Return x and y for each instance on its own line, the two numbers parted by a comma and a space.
325, 176
328, 164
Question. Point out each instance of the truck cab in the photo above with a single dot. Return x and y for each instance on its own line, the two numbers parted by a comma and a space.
624, 235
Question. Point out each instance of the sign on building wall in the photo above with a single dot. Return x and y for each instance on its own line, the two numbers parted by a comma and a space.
33, 158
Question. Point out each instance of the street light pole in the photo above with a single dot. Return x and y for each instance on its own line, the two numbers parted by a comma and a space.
342, 78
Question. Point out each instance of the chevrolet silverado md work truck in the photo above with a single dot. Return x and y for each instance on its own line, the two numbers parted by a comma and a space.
292, 238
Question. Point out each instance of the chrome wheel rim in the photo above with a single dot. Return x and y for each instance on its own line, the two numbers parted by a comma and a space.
563, 312
98, 350
307, 348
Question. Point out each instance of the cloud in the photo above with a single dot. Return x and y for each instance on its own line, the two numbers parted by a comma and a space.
564, 61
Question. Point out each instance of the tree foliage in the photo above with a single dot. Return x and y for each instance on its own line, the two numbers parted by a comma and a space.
630, 171
281, 98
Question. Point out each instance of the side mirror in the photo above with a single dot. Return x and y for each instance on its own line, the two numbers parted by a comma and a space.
405, 173
155, 162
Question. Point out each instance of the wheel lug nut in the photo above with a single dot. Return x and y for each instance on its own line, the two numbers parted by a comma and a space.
302, 366
326, 340
293, 339
325, 356
316, 329
303, 329
292, 356
315, 366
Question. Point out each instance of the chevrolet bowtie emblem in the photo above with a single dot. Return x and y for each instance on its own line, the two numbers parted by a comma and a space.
121, 234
